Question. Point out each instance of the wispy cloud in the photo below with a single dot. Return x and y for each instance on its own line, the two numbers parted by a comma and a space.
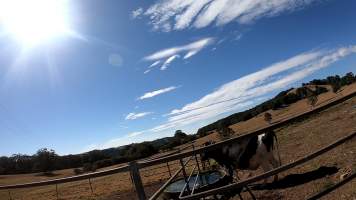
157, 92
155, 64
181, 14
168, 61
192, 47
136, 13
116, 142
134, 134
243, 92
240, 93
133, 115
170, 54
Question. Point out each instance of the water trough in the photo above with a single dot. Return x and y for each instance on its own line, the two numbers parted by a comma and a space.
201, 182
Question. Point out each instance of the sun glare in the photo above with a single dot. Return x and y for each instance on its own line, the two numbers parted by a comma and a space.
34, 21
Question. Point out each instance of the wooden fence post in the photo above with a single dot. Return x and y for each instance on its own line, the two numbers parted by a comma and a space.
57, 191
169, 170
10, 195
136, 179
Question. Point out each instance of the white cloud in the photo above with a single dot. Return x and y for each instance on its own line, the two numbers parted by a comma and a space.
133, 115
147, 71
157, 92
243, 92
155, 64
115, 142
173, 53
133, 137
134, 134
180, 14
194, 46
238, 94
168, 62
136, 13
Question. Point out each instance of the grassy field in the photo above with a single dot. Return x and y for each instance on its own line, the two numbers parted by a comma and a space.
296, 140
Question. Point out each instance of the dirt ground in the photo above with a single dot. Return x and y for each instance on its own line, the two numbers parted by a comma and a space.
296, 140
304, 137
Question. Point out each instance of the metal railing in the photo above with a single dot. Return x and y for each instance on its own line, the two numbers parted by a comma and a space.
135, 166
124, 168
244, 136
275, 171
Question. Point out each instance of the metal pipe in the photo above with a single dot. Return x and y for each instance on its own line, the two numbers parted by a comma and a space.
165, 185
247, 135
196, 159
186, 185
143, 164
195, 182
183, 170
272, 172
124, 168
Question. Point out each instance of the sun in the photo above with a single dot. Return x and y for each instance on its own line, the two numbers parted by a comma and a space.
34, 21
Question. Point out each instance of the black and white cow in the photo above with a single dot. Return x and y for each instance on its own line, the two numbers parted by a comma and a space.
247, 154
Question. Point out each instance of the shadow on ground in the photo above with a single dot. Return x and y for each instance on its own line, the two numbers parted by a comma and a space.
293, 180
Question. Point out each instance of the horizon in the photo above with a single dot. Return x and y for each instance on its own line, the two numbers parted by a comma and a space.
253, 106
126, 72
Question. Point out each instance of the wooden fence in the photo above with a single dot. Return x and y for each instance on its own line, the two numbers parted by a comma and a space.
136, 166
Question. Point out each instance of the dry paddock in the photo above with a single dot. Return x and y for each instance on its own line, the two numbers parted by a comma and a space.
296, 140
304, 137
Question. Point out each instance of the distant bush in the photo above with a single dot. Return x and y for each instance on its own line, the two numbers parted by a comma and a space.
268, 117
77, 171
281, 100
88, 167
103, 163
46, 160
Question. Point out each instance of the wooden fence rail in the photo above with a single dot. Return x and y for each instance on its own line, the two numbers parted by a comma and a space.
178, 156
124, 168
244, 136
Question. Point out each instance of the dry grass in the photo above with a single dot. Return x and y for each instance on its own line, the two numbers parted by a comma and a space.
307, 136
296, 140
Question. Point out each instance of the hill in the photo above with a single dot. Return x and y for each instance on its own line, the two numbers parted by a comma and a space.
46, 160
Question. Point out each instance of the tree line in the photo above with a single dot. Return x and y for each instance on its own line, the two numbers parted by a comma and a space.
46, 160
283, 99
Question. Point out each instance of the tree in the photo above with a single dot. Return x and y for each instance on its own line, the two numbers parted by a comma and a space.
320, 90
312, 98
45, 160
180, 134
268, 117
349, 78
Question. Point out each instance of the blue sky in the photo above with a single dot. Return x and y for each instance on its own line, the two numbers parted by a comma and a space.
134, 71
